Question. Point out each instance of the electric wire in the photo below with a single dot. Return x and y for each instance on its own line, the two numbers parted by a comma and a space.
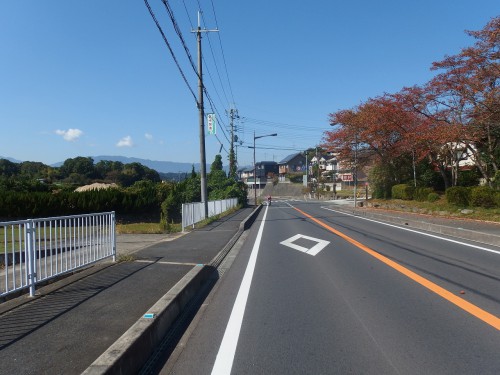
203, 58
191, 61
190, 58
223, 55
179, 34
213, 55
170, 49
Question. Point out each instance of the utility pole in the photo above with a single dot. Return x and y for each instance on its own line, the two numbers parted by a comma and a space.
317, 162
233, 114
355, 171
203, 160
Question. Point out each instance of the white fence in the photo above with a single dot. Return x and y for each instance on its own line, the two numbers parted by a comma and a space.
35, 250
193, 213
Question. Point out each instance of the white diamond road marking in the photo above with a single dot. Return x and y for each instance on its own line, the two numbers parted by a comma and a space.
320, 245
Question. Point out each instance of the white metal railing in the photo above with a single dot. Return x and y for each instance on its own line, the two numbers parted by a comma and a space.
35, 250
193, 213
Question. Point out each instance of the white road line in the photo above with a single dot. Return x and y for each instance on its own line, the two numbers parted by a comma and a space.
225, 356
416, 231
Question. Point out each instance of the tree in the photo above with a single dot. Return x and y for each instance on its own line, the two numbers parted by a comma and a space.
109, 170
468, 87
32, 169
8, 168
381, 126
217, 163
80, 165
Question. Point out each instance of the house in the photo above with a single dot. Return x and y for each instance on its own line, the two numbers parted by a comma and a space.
266, 169
294, 163
244, 173
263, 169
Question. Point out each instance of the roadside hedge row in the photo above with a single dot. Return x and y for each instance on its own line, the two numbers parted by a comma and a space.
408, 192
21, 205
476, 196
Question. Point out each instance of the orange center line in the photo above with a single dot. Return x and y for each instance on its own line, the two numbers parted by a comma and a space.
472, 309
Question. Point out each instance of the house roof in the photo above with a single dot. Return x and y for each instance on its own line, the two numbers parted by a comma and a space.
289, 157
266, 163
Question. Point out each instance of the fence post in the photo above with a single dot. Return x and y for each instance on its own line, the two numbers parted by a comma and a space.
113, 233
29, 250
182, 214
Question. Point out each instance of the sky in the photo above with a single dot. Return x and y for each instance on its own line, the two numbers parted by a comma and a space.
95, 77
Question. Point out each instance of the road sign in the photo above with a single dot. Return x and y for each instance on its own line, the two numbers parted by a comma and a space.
320, 244
211, 124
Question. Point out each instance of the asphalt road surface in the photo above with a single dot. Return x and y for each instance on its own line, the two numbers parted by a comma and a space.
316, 291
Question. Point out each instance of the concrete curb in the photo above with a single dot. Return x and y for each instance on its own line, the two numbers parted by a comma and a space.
128, 354
466, 234
131, 351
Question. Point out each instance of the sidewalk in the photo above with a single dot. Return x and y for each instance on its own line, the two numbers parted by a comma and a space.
72, 322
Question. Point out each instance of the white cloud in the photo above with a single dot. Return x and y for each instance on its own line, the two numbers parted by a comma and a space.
148, 136
70, 135
125, 142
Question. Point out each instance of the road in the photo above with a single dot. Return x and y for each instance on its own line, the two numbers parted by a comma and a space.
316, 291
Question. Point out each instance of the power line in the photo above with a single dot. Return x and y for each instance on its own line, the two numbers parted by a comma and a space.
223, 55
213, 55
203, 58
284, 125
214, 59
170, 49
179, 34
191, 60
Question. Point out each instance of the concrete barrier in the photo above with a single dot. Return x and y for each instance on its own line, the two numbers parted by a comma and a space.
129, 353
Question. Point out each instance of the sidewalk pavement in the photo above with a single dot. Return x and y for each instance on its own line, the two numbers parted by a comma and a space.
94, 321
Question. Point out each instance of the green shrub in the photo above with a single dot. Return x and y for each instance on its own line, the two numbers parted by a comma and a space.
469, 178
432, 197
403, 191
458, 195
421, 194
482, 196
496, 180
296, 178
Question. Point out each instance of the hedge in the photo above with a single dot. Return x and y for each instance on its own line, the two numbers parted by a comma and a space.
402, 191
21, 205
482, 196
421, 194
458, 195
433, 197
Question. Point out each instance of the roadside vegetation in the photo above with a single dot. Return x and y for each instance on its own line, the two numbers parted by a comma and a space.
142, 201
438, 208
434, 147
439, 135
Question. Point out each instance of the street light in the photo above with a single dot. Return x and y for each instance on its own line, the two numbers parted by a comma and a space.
254, 166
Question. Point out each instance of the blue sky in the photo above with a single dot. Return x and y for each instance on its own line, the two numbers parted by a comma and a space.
94, 77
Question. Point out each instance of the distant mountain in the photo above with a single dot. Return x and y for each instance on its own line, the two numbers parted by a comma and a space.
10, 159
159, 166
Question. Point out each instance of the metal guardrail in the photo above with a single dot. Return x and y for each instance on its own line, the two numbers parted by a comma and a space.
193, 213
35, 250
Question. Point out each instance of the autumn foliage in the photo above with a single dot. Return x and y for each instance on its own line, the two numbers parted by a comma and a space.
453, 116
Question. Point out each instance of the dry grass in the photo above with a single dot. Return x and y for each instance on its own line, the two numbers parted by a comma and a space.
146, 228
